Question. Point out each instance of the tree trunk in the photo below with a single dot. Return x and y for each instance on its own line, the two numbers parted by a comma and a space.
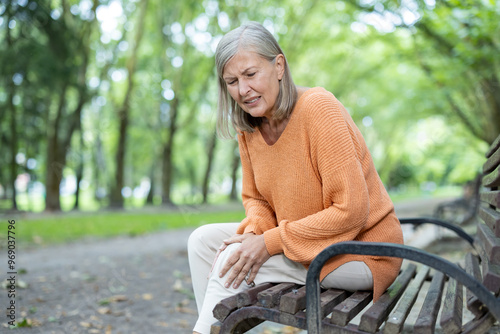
151, 194
233, 196
167, 154
13, 120
116, 193
210, 158
60, 133
13, 146
123, 114
79, 173
100, 164
55, 160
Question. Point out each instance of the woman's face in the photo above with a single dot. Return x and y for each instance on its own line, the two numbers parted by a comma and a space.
253, 82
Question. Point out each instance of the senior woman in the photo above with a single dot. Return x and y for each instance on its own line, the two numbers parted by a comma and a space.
308, 182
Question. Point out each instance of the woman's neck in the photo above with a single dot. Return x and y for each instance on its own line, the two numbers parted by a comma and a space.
271, 129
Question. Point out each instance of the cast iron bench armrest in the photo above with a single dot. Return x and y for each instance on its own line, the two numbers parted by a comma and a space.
391, 250
428, 220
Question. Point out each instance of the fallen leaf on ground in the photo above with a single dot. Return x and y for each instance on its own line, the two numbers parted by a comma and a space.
162, 324
104, 310
187, 310
184, 324
147, 296
177, 285
118, 298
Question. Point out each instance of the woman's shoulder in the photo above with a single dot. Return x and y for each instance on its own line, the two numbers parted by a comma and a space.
318, 103
315, 95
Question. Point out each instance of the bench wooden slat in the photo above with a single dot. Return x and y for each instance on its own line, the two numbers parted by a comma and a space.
228, 305
249, 296
491, 218
479, 325
293, 301
331, 298
224, 307
295, 320
426, 320
491, 276
490, 242
491, 197
492, 162
490, 272
495, 146
349, 308
395, 322
378, 312
243, 326
271, 297
451, 316
472, 268
492, 179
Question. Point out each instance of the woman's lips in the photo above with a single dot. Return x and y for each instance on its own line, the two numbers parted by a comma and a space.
252, 100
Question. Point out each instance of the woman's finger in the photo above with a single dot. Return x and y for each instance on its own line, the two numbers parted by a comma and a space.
233, 274
238, 274
253, 273
237, 238
242, 276
230, 262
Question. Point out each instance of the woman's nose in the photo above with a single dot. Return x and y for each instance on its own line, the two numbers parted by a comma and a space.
244, 87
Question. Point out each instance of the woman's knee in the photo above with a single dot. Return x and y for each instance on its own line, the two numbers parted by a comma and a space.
208, 236
196, 237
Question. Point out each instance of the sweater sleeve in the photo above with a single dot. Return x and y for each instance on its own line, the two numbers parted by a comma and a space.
260, 216
333, 144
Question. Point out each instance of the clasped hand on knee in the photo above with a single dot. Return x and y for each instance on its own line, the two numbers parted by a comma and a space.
245, 262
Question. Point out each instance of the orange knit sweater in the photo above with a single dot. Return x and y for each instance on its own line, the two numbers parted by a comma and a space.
317, 185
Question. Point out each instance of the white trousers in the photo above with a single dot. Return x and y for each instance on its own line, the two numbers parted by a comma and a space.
209, 288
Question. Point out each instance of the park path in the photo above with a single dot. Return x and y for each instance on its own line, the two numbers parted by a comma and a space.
125, 285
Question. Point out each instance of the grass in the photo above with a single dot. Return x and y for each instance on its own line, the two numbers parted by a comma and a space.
59, 228
42, 228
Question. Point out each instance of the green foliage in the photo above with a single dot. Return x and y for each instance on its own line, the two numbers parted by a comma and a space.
418, 79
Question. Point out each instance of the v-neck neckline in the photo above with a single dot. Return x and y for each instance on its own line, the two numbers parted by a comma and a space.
288, 125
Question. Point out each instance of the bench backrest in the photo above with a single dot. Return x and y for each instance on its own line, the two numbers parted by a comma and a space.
488, 231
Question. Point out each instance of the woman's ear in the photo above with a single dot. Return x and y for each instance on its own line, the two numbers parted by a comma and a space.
280, 65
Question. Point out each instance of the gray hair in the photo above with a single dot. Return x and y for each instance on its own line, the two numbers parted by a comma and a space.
255, 37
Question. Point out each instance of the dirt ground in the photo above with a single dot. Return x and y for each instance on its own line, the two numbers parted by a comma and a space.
124, 285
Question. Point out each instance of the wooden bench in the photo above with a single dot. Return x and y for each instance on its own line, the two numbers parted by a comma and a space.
332, 311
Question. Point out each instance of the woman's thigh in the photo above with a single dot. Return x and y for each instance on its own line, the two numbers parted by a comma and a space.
351, 276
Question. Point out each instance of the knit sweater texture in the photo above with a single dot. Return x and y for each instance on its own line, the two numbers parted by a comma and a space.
316, 186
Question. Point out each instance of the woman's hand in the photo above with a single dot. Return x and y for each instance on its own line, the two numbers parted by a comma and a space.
248, 258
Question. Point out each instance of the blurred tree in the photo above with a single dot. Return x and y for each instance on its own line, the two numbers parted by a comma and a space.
452, 40
137, 85
59, 66
10, 110
124, 110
